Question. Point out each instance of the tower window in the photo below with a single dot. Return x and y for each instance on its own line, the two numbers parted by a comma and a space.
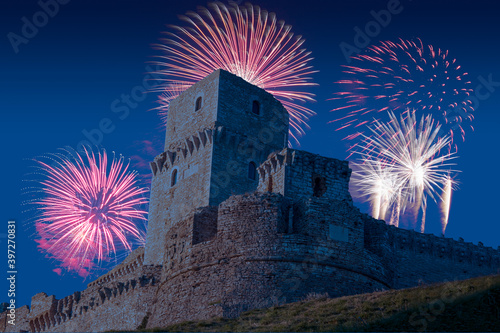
319, 186
173, 180
198, 105
252, 171
256, 107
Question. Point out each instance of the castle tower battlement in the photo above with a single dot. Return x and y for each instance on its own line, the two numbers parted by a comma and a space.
218, 132
300, 174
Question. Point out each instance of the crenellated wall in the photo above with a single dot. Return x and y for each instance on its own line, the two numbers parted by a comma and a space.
417, 258
118, 300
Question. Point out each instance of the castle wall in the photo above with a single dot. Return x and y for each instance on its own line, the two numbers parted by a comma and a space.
21, 322
255, 262
117, 300
184, 120
313, 175
332, 220
300, 174
188, 154
236, 98
243, 136
417, 258
230, 163
168, 203
222, 260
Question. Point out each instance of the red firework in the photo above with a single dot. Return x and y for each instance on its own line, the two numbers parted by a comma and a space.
396, 76
246, 41
88, 212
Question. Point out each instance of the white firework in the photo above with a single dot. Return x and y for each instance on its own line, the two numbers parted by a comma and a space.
376, 182
408, 151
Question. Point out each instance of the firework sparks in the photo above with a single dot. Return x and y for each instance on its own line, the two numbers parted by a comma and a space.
375, 182
246, 41
89, 212
168, 93
401, 155
445, 204
407, 74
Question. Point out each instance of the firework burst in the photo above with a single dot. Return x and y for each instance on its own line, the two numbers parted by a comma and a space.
89, 211
395, 76
399, 168
246, 41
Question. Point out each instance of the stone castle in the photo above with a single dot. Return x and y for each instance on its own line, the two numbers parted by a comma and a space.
239, 221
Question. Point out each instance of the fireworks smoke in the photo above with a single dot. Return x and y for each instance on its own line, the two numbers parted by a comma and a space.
246, 41
399, 168
407, 74
90, 211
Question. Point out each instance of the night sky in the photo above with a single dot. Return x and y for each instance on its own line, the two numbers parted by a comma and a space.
65, 79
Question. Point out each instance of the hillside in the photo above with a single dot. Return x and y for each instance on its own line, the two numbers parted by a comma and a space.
469, 305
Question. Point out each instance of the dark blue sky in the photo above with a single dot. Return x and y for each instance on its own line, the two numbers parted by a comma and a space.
65, 79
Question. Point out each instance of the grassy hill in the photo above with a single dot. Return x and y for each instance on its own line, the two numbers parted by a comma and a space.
469, 305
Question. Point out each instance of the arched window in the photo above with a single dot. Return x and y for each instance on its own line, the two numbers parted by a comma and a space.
252, 171
173, 180
256, 107
198, 105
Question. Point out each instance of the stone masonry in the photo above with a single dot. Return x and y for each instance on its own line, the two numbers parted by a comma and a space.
239, 221
209, 150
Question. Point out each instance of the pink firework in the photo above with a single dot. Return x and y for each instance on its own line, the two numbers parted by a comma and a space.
396, 76
89, 211
246, 41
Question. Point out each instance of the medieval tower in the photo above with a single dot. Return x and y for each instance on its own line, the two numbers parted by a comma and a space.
239, 221
194, 171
